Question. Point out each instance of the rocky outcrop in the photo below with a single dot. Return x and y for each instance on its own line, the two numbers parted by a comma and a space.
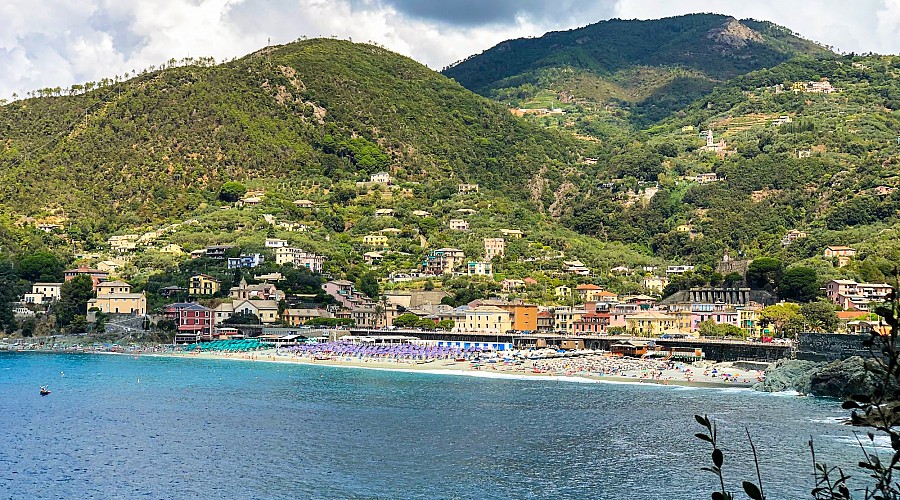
837, 379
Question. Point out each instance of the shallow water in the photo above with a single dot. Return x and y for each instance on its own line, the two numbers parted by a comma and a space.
120, 427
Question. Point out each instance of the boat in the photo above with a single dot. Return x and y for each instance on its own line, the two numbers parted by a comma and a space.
44, 391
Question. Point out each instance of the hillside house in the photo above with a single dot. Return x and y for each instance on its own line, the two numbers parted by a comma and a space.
562, 292
298, 258
45, 292
123, 243
655, 283
304, 204
512, 233
458, 225
421, 213
467, 188
204, 285
381, 178
275, 243
96, 275
706, 178
375, 241
841, 253
494, 247
479, 269
588, 292
792, 236
250, 201
217, 252
262, 291
265, 310
373, 258
172, 249
384, 212
245, 261
681, 269
576, 267
443, 260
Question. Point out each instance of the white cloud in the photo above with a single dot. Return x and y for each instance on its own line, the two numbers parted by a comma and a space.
60, 42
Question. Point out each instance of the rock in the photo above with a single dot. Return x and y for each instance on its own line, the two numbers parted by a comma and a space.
837, 379
788, 375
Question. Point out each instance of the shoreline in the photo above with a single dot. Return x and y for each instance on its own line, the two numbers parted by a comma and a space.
453, 368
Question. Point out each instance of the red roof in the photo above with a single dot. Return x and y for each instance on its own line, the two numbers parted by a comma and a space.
588, 286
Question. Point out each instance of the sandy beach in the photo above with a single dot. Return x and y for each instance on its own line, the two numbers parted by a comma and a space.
587, 368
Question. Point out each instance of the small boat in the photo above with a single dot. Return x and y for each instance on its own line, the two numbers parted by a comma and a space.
44, 391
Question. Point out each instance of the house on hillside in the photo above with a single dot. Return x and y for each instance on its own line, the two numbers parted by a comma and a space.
204, 285
467, 188
304, 204
381, 178
841, 253
458, 225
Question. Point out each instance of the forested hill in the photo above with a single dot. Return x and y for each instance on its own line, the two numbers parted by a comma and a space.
657, 65
299, 117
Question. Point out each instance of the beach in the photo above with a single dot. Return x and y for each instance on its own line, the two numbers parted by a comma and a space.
589, 367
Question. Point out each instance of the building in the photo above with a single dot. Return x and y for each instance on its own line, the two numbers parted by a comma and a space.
479, 269
850, 295
304, 204
275, 243
522, 317
96, 275
216, 252
706, 178
263, 291
592, 323
467, 188
299, 258
484, 319
679, 269
49, 292
576, 267
172, 249
565, 318
191, 318
494, 247
421, 213
123, 243
444, 260
792, 236
562, 292
297, 317
381, 178
265, 310
204, 284
373, 258
545, 321
512, 233
245, 261
841, 253
655, 283
115, 297
458, 225
588, 292
717, 313
650, 323
384, 212
375, 241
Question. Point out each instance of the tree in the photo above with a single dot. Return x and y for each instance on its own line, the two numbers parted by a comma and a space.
40, 267
406, 320
764, 272
8, 294
28, 327
820, 316
799, 283
73, 297
783, 317
368, 285
243, 319
232, 191
733, 279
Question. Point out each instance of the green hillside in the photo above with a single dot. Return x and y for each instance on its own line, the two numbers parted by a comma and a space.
649, 68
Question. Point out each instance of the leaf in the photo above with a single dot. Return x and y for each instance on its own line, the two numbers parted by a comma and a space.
849, 405
717, 495
704, 437
752, 491
702, 421
717, 457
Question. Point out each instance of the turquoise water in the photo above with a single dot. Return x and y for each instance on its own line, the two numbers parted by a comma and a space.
120, 427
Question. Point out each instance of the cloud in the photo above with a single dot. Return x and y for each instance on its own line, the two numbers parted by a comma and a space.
61, 42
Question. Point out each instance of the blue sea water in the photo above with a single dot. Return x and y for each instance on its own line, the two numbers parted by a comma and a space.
120, 427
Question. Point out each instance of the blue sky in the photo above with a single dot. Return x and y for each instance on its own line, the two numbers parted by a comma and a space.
60, 42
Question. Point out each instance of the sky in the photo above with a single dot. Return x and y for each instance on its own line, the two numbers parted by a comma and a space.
52, 43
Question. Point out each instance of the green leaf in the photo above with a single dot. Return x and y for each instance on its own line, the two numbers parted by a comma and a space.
717, 495
717, 457
752, 491
702, 420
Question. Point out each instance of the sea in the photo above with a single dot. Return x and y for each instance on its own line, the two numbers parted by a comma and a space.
119, 426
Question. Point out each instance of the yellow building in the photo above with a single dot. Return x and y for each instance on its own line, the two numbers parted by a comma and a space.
562, 292
115, 297
376, 240
485, 319
204, 284
651, 323
564, 319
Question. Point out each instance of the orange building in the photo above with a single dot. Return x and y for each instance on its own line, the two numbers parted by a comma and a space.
522, 316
